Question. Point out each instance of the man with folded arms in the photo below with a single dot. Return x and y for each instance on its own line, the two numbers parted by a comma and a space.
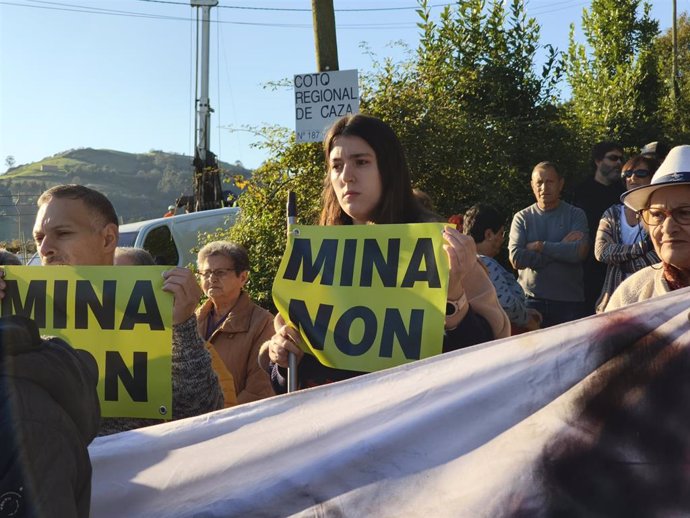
548, 243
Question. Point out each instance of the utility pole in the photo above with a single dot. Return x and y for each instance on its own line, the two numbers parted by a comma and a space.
326, 61
324, 35
208, 193
674, 83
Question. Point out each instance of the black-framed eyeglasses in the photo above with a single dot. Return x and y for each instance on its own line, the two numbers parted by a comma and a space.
218, 273
656, 216
640, 173
614, 158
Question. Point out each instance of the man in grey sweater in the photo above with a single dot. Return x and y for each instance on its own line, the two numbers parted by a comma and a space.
77, 226
548, 243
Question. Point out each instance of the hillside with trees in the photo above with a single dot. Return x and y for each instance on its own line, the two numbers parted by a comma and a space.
140, 186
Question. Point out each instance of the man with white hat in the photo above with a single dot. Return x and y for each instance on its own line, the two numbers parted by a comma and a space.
664, 206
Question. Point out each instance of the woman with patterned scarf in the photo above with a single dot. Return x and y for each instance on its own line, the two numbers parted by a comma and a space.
664, 206
622, 240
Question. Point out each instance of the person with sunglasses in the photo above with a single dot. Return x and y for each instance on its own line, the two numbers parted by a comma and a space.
233, 326
594, 195
622, 241
664, 206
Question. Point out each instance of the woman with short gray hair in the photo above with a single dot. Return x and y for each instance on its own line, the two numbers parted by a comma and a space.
230, 321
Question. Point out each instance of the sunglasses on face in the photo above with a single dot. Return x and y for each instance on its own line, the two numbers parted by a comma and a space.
614, 158
640, 173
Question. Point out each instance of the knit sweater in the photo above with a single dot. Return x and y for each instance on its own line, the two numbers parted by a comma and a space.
645, 284
621, 260
555, 273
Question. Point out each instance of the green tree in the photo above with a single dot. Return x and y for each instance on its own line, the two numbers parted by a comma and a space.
6, 201
470, 111
614, 78
10, 161
675, 108
173, 181
262, 228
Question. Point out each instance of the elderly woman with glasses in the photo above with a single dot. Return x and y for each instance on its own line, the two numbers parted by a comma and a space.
622, 241
233, 325
664, 206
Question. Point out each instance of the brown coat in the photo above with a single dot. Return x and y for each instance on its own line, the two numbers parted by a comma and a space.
237, 341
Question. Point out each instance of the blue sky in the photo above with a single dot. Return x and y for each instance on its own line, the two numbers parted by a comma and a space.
118, 74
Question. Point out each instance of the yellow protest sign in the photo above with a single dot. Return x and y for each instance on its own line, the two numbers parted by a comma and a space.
365, 297
120, 315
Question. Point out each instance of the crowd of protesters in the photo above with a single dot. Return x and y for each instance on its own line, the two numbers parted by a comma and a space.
571, 256
567, 259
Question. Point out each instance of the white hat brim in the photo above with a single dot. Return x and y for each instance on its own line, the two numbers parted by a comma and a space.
637, 198
674, 171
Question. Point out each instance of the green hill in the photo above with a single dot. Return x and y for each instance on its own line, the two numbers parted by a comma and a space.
140, 186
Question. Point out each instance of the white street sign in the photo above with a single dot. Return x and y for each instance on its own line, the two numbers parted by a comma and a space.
321, 98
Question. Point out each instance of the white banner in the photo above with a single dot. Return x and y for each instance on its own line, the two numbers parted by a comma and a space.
588, 418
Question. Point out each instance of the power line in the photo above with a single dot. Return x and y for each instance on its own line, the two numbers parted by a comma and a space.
552, 7
53, 6
131, 14
545, 9
65, 7
301, 10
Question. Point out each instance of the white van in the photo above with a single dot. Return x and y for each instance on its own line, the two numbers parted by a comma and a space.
171, 240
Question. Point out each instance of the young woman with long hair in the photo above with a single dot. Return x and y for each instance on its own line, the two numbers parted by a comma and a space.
368, 181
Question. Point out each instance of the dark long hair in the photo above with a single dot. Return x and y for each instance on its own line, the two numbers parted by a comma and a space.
398, 203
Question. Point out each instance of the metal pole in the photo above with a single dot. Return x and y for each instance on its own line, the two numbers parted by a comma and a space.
207, 188
674, 83
203, 103
19, 225
292, 359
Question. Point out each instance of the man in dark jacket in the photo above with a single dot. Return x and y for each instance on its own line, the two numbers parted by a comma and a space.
596, 194
49, 413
